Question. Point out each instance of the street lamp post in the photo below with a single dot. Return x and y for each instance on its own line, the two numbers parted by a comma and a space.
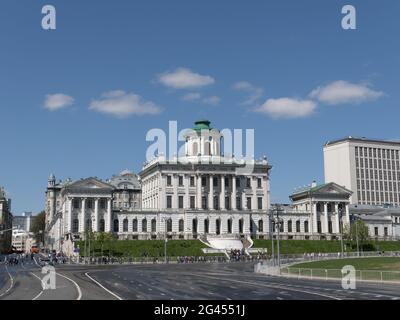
165, 239
278, 244
271, 227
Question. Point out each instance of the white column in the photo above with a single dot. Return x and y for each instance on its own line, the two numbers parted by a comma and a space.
82, 217
175, 195
109, 216
347, 219
233, 197
265, 204
199, 198
222, 194
325, 230
70, 214
254, 202
337, 219
211, 194
186, 199
244, 200
95, 223
314, 226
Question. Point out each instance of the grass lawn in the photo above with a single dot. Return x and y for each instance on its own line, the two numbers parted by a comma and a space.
155, 248
150, 248
383, 264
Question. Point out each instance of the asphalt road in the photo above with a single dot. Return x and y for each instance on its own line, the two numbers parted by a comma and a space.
231, 281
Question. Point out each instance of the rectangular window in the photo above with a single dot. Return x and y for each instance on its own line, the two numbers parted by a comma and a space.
248, 183
376, 231
192, 181
259, 183
192, 202
249, 203
215, 182
203, 181
76, 204
180, 202
227, 203
180, 181
237, 182
226, 183
238, 203
169, 202
204, 202
259, 201
169, 181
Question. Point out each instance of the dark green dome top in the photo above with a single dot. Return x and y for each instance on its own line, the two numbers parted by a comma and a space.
202, 125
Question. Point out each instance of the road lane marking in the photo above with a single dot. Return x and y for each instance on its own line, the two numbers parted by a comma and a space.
41, 283
75, 284
101, 286
11, 284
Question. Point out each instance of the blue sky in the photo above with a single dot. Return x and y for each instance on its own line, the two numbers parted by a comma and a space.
78, 101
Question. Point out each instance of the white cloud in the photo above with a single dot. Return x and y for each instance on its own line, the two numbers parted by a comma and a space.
287, 108
339, 92
121, 104
213, 100
183, 78
57, 101
254, 92
191, 96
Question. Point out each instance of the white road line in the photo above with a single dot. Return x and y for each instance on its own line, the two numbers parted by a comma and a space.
76, 285
274, 286
41, 283
69, 279
11, 285
101, 286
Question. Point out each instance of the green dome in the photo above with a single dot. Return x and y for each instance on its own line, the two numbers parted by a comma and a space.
202, 125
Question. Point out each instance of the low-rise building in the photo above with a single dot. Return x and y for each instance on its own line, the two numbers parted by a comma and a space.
5, 222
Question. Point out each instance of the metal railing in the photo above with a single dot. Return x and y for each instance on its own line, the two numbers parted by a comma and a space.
336, 274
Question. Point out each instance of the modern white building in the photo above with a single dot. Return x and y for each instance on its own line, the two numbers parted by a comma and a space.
369, 168
22, 221
22, 240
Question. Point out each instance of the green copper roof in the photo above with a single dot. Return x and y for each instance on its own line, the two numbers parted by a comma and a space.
202, 125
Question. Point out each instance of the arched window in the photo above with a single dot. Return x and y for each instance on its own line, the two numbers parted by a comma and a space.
298, 226
102, 225
218, 226
260, 226
181, 225
306, 226
206, 226
125, 225
89, 225
194, 225
116, 225
75, 226
195, 149
229, 225
134, 225
241, 225
169, 225
144, 225
289, 226
153, 225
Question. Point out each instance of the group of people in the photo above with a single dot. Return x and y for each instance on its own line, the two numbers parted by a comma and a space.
16, 259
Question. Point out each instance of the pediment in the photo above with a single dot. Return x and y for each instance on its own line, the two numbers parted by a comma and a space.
333, 188
90, 183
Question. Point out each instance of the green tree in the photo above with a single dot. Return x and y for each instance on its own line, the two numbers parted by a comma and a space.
38, 226
358, 231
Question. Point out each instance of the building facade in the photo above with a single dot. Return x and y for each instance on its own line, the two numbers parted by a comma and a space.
369, 168
5, 222
23, 221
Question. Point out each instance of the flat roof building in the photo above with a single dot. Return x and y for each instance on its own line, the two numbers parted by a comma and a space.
369, 168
